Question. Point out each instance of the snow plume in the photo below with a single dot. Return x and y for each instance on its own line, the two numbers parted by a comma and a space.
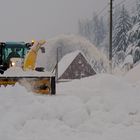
64, 44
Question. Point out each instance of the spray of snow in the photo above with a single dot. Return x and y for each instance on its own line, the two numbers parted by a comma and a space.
68, 43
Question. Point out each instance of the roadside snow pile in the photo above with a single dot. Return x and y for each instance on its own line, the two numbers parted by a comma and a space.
17, 71
133, 75
99, 107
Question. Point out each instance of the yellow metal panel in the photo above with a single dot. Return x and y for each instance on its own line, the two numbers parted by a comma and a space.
30, 61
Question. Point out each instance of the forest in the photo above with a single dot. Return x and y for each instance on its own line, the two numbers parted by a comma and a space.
126, 33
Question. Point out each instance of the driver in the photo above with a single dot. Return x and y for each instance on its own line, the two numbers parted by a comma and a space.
13, 54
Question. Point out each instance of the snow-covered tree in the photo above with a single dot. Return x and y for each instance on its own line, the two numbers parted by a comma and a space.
116, 15
134, 35
85, 28
101, 32
120, 34
136, 13
136, 54
93, 29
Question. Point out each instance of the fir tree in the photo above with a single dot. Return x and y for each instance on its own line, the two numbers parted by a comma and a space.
134, 35
120, 36
136, 16
94, 29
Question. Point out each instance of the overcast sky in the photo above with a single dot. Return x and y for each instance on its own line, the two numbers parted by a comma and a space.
42, 19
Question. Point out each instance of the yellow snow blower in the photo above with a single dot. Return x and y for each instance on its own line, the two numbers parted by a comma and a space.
23, 55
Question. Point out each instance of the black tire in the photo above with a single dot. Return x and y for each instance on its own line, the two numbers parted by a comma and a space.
53, 86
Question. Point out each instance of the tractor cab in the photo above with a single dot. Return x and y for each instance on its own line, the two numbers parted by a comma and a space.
12, 53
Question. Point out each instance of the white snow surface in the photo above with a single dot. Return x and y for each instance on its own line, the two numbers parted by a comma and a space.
17, 71
133, 75
101, 107
128, 59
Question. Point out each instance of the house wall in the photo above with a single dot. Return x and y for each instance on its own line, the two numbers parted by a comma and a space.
78, 68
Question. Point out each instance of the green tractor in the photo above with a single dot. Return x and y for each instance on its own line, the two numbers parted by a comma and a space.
23, 55
9, 50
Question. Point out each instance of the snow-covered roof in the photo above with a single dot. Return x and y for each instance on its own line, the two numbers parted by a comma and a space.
66, 61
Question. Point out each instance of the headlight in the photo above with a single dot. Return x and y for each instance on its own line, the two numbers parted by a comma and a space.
33, 42
13, 63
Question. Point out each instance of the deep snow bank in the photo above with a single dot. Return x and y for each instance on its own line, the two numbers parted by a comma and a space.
134, 74
100, 107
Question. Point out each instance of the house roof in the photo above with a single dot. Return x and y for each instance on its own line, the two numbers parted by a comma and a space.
66, 61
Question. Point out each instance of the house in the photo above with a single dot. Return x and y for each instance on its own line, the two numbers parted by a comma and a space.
74, 66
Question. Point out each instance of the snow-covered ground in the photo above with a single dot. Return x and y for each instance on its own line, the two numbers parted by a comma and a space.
101, 107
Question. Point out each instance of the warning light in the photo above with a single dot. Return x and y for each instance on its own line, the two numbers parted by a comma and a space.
33, 41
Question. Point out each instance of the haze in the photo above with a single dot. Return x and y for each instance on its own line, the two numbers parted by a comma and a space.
42, 19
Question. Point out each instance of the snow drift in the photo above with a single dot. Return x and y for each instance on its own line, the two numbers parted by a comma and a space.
99, 107
133, 75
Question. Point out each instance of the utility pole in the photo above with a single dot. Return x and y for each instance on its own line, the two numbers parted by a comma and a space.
110, 35
56, 72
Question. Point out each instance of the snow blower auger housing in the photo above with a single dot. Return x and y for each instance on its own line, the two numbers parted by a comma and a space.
42, 85
20, 55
